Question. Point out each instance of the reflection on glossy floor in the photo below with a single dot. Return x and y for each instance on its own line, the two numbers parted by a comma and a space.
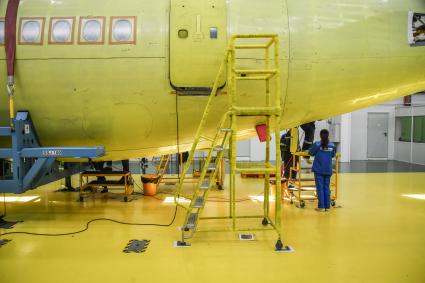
378, 236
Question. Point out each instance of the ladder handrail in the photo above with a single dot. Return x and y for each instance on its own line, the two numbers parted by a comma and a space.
200, 127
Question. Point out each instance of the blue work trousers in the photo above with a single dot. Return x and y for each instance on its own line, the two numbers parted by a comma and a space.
323, 190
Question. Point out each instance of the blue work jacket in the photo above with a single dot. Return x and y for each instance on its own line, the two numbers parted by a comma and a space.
323, 158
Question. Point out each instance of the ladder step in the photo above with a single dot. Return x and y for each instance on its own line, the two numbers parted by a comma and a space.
205, 185
207, 138
199, 202
255, 71
218, 148
225, 130
212, 167
255, 78
305, 180
256, 111
191, 222
253, 46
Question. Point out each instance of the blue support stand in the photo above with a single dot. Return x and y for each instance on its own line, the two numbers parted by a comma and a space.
33, 165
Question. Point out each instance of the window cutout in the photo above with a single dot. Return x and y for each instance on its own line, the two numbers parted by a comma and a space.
1, 31
31, 31
61, 30
183, 33
91, 30
122, 30
213, 33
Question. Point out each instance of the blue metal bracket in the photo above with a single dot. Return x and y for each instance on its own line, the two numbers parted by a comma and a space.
33, 165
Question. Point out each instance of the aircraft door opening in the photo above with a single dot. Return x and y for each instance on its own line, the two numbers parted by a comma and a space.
198, 40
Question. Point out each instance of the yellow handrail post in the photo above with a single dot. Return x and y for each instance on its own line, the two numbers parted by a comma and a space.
278, 103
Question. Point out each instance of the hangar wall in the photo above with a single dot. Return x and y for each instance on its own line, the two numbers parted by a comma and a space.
349, 132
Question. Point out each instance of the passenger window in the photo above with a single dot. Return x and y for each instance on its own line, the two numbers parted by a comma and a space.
2, 32
123, 30
91, 30
31, 31
61, 30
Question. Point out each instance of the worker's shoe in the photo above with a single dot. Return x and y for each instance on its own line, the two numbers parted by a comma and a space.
320, 209
104, 191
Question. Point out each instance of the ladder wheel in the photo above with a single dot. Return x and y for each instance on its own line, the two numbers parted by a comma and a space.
81, 199
125, 199
220, 187
302, 204
265, 222
333, 203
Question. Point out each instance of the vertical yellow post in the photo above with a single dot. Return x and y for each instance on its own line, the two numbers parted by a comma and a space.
278, 103
267, 175
230, 88
233, 102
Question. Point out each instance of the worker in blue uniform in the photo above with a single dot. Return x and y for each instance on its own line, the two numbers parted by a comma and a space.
323, 151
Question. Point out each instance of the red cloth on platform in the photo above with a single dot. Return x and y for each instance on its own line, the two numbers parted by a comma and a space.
262, 132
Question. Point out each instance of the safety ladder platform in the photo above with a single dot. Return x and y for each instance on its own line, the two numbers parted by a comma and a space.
226, 135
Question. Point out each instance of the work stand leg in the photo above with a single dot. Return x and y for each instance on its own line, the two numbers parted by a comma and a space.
281, 248
68, 186
182, 243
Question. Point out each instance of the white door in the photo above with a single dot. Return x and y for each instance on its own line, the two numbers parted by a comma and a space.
377, 135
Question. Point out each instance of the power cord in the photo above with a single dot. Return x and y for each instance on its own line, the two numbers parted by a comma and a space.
96, 220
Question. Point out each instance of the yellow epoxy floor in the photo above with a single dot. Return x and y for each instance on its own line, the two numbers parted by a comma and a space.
377, 236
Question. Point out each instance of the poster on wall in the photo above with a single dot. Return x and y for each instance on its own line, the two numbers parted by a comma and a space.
416, 29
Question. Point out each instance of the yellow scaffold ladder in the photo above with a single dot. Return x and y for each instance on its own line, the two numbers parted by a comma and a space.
161, 169
227, 135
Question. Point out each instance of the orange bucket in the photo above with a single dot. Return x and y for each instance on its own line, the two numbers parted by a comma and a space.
150, 183
149, 189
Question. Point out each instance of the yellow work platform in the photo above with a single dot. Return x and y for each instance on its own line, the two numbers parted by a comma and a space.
303, 187
87, 182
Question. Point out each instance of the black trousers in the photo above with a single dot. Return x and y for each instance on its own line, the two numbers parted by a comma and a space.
125, 165
309, 130
288, 157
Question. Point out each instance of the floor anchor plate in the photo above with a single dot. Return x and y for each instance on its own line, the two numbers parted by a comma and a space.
136, 246
4, 242
180, 244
